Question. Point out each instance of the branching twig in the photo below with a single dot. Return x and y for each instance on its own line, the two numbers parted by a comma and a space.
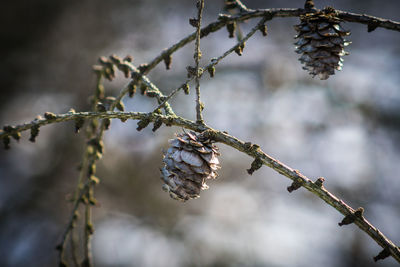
215, 61
253, 151
270, 13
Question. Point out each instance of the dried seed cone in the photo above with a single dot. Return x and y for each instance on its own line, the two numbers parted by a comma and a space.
321, 43
190, 160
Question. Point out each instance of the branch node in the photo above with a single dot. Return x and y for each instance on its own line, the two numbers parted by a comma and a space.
350, 218
108, 68
143, 124
143, 88
8, 128
309, 5
208, 134
191, 71
157, 124
92, 169
251, 147
382, 255
101, 107
168, 61
255, 165
194, 22
247, 145
128, 58
14, 134
239, 49
76, 215
169, 122
186, 88
254, 147
90, 228
295, 185
78, 124
211, 71
143, 68
107, 123
372, 25
320, 181
153, 94
264, 30
359, 213
50, 116
34, 133
231, 27
120, 106
115, 59
97, 145
132, 88
201, 109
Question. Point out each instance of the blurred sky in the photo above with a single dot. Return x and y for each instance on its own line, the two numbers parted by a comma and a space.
346, 129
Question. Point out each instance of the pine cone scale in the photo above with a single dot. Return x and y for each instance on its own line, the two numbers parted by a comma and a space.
191, 158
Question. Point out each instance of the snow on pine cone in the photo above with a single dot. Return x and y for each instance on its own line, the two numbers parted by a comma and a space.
321, 43
190, 160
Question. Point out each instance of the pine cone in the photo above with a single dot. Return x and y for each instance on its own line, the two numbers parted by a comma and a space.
190, 160
321, 43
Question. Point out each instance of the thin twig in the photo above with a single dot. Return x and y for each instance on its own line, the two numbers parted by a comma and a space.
197, 56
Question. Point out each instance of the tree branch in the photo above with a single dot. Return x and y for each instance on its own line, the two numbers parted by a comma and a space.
253, 151
270, 14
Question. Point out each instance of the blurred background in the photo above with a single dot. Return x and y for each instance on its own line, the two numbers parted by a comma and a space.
346, 129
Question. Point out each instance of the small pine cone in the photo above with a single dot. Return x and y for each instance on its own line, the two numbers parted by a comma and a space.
190, 160
321, 43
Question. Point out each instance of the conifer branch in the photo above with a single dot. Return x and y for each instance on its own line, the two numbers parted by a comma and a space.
270, 13
94, 148
253, 151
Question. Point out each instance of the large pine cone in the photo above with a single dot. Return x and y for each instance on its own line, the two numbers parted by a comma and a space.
321, 43
190, 160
